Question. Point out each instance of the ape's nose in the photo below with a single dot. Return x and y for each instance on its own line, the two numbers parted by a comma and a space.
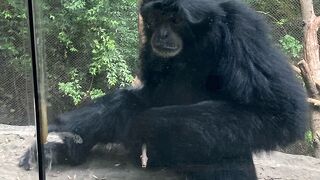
163, 34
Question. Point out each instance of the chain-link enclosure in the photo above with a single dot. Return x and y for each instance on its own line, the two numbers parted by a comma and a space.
91, 47
16, 88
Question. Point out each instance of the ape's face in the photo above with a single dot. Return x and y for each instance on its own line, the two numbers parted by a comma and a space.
162, 29
165, 42
173, 26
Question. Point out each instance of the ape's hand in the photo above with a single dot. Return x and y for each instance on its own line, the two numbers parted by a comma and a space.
29, 159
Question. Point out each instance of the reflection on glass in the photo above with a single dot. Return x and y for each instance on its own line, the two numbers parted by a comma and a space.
210, 90
17, 128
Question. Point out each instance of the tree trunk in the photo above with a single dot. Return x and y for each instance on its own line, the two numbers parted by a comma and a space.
140, 26
311, 56
311, 46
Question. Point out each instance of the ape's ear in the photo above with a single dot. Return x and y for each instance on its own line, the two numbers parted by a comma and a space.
248, 56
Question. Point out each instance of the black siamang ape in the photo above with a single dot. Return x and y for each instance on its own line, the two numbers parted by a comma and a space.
214, 90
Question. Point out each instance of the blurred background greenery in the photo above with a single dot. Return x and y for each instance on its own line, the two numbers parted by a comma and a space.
91, 47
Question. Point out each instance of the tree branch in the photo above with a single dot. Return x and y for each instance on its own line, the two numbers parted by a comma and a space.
317, 21
314, 102
296, 69
308, 79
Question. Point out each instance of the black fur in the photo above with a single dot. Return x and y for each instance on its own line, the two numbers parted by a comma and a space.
229, 93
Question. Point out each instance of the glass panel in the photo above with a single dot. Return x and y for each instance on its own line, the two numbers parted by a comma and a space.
211, 90
17, 122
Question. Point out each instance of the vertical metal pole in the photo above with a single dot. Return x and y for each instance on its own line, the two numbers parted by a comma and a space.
42, 174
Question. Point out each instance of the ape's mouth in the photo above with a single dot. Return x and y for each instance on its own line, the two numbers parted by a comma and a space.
166, 51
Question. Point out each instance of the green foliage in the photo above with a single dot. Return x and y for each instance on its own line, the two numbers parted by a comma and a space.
291, 46
96, 93
99, 39
309, 137
90, 45
91, 42
282, 22
14, 32
74, 4
64, 39
278, 8
285, 18
104, 32
73, 88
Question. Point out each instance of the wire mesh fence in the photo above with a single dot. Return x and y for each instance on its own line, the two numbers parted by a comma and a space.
16, 89
16, 99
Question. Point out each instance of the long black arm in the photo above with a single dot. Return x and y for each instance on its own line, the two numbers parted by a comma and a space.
208, 131
105, 120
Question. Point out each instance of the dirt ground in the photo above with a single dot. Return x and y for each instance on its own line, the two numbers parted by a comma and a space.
113, 166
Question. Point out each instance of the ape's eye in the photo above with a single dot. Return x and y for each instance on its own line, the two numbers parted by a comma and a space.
176, 20
148, 24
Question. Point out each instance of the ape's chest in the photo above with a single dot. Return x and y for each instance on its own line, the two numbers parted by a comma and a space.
179, 92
